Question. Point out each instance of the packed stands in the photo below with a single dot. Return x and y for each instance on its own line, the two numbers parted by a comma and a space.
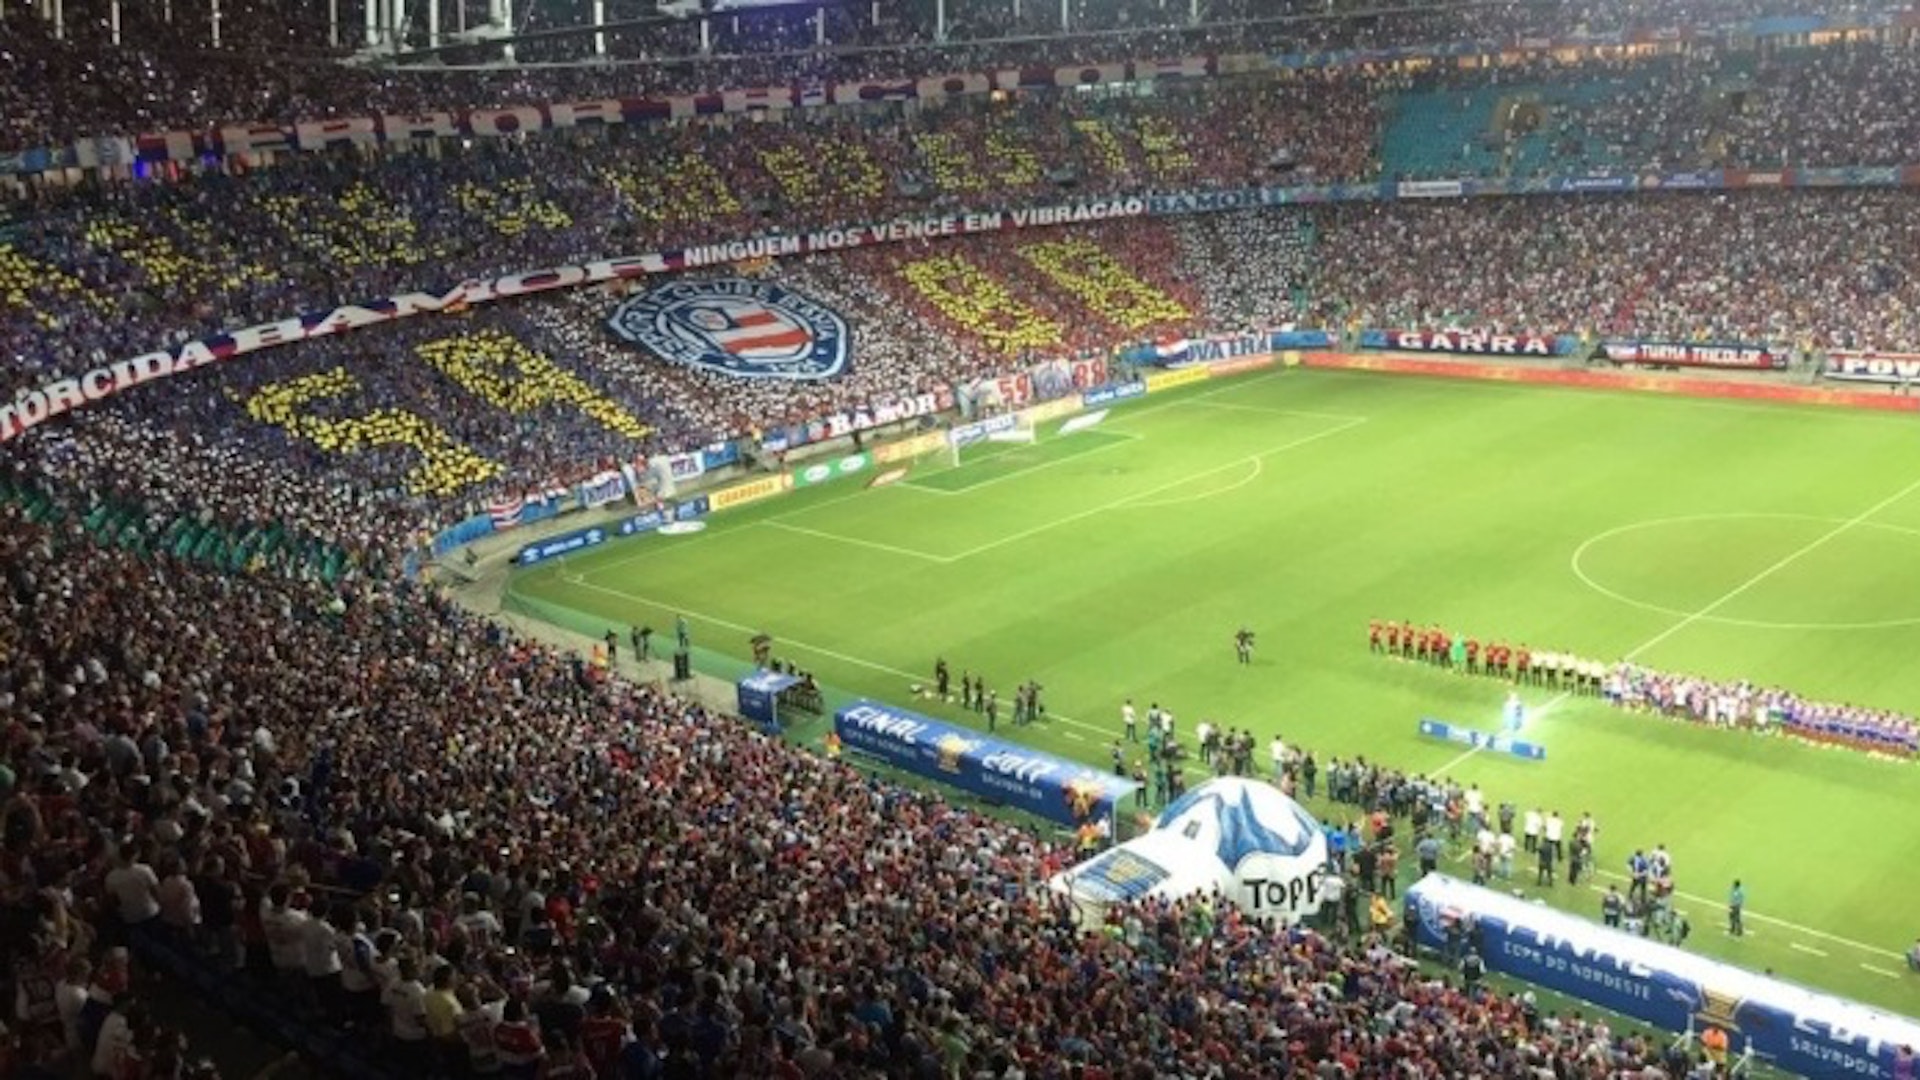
1817, 268
213, 678
404, 797
275, 67
101, 266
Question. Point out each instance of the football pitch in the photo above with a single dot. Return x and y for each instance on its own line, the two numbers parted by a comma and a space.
1774, 543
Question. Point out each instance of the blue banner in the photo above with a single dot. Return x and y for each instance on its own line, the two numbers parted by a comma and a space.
1050, 787
968, 434
564, 544
581, 539
1796, 1030
1685, 181
1226, 347
1593, 183
1112, 392
1300, 339
466, 532
1480, 740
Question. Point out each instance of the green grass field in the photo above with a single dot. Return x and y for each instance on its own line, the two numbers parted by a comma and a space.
1777, 543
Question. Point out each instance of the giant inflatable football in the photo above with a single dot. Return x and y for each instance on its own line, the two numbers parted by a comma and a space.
1261, 850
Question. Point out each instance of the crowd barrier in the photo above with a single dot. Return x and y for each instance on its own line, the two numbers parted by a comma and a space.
1054, 788
1800, 1031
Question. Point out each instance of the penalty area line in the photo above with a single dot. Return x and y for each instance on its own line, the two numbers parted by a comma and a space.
1115, 504
856, 541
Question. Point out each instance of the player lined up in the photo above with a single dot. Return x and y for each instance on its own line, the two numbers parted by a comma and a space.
1469, 656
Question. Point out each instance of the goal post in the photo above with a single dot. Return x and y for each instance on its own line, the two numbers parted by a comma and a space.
1006, 428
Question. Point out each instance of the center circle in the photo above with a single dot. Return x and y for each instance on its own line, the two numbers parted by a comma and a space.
1665, 557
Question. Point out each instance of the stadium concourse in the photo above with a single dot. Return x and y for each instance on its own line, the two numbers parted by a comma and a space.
240, 741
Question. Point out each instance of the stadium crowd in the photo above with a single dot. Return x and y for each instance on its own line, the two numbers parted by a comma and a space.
1814, 269
228, 729
275, 66
390, 813
121, 268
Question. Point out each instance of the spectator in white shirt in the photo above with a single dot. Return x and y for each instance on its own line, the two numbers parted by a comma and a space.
179, 903
135, 887
406, 1002
321, 960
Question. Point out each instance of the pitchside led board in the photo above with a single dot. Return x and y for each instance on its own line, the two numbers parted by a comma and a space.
1800, 1031
1053, 788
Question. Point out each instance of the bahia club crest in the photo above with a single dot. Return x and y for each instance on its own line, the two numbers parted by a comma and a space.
752, 329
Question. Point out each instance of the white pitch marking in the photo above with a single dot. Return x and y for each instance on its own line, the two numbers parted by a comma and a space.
1012, 538
1259, 466
855, 540
820, 650
1808, 949
1881, 971
1752, 916
1734, 593
1122, 438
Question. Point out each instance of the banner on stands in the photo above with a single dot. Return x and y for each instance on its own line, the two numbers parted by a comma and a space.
1228, 346
317, 135
736, 326
1167, 380
1880, 367
980, 430
1471, 342
876, 414
35, 407
1430, 189
603, 488
751, 491
821, 472
1054, 788
1045, 381
1577, 184
1107, 395
1300, 339
1683, 181
1795, 1030
1695, 354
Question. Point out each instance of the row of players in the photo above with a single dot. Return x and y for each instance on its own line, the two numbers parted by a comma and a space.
1467, 655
